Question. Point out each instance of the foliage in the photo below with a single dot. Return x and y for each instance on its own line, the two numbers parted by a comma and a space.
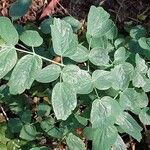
93, 94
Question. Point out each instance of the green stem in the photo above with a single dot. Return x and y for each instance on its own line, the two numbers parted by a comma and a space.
44, 58
96, 93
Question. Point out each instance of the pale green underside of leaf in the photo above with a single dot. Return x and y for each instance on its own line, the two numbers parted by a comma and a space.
104, 112
48, 74
8, 32
24, 73
75, 142
64, 100
79, 79
8, 59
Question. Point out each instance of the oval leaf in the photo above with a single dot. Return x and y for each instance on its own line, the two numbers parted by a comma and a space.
102, 79
99, 56
75, 142
8, 59
24, 74
8, 32
31, 38
48, 74
79, 79
104, 112
64, 100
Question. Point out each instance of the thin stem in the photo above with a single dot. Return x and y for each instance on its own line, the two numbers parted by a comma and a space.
88, 63
33, 50
44, 58
96, 93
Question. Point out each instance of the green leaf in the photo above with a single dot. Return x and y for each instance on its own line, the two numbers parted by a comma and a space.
8, 59
101, 42
137, 32
19, 8
121, 75
81, 54
132, 100
50, 129
148, 73
119, 144
129, 125
112, 33
120, 55
75, 142
43, 109
79, 79
99, 56
8, 32
144, 43
140, 64
76, 25
146, 86
103, 139
28, 132
98, 22
48, 74
104, 112
102, 79
81, 120
64, 100
26, 116
64, 41
145, 116
15, 125
45, 25
138, 79
31, 38
120, 42
24, 73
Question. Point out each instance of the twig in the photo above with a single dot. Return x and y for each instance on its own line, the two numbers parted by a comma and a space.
4, 113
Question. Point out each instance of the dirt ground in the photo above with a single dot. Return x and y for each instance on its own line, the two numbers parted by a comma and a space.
137, 11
